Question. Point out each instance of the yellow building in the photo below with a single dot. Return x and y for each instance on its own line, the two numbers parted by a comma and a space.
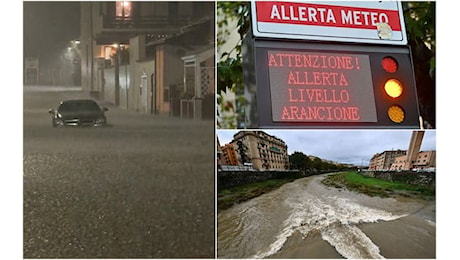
383, 161
263, 151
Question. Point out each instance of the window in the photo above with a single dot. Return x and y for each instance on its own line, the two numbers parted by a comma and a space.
123, 9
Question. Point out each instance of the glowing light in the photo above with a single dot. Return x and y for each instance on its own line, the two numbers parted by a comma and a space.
389, 64
396, 114
393, 88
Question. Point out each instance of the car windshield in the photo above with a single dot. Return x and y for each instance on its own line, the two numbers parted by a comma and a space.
80, 105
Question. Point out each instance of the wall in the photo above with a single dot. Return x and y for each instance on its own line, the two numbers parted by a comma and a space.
173, 74
124, 80
425, 179
229, 179
109, 90
137, 69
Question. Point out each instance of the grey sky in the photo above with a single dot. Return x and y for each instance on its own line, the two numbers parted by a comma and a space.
346, 146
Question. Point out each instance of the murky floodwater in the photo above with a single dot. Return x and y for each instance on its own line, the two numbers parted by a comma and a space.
306, 209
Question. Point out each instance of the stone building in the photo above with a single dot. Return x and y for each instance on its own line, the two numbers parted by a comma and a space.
229, 156
383, 161
424, 160
263, 151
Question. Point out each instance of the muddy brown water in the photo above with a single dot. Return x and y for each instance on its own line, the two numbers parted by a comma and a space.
306, 219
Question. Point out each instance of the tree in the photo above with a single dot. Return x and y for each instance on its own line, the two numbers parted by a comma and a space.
299, 161
420, 23
318, 164
229, 67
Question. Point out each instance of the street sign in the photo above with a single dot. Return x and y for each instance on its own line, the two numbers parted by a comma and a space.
379, 22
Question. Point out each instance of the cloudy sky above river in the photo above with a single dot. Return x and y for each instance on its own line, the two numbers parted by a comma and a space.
345, 146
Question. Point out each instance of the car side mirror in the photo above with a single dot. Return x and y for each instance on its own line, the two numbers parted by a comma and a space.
51, 111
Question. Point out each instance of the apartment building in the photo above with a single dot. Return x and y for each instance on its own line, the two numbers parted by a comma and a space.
229, 156
263, 151
154, 57
425, 160
383, 161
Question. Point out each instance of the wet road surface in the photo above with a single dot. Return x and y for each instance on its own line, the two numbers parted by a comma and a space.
142, 188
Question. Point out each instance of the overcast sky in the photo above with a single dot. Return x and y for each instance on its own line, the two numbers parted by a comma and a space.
345, 146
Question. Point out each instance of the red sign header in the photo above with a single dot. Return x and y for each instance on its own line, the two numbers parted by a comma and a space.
326, 15
330, 20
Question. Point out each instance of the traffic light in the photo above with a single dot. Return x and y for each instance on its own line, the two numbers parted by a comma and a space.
395, 83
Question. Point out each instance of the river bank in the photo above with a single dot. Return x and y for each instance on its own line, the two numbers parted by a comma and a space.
354, 181
227, 198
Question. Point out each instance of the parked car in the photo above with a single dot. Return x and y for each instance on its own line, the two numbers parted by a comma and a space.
78, 112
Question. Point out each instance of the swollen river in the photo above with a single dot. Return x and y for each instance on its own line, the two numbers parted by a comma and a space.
306, 219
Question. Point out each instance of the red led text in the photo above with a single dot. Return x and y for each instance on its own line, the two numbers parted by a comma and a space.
320, 113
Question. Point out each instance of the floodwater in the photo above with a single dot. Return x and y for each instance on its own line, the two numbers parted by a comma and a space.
305, 219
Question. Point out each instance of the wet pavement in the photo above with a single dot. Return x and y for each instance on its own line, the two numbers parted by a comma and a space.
141, 188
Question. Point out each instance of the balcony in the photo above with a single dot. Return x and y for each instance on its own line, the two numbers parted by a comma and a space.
146, 23
121, 29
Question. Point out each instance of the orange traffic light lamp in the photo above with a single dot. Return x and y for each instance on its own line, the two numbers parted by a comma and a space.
396, 114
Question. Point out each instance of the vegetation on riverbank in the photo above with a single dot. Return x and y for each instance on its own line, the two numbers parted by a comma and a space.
375, 187
226, 198
353, 181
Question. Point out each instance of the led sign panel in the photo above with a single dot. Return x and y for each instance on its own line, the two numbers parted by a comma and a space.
320, 87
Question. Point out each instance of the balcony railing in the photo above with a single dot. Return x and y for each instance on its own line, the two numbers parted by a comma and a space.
143, 22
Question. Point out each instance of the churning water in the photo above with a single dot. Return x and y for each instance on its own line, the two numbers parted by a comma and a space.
260, 227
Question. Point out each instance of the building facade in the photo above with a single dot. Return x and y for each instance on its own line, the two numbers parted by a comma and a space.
383, 161
263, 151
229, 155
399, 163
219, 153
152, 57
424, 160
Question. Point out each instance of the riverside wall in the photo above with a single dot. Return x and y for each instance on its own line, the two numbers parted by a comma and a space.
425, 179
229, 179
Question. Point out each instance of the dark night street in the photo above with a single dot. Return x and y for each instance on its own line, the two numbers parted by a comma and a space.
141, 188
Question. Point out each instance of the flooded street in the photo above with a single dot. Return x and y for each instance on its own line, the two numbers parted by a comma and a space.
305, 219
136, 189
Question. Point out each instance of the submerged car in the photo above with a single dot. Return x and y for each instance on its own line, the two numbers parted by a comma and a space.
78, 112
